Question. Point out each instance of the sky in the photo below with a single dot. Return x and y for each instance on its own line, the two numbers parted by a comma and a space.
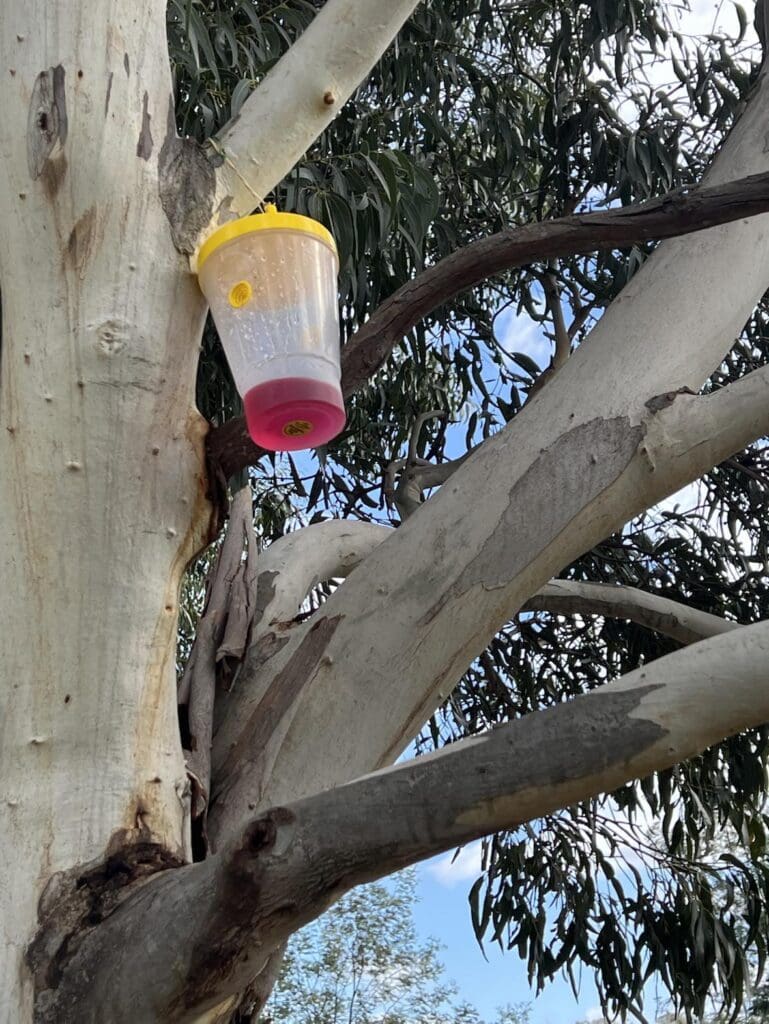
443, 910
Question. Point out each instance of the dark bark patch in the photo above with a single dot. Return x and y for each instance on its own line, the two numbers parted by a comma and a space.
53, 175
265, 593
145, 143
237, 915
126, 64
187, 182
74, 902
80, 241
46, 120
564, 480
659, 402
581, 737
109, 93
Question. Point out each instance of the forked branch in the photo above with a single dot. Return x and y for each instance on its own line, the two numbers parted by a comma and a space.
571, 495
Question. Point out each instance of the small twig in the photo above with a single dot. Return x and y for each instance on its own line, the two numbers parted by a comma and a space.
416, 474
417, 430
562, 337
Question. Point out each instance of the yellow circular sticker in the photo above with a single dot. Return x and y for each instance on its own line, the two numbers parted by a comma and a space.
240, 293
297, 428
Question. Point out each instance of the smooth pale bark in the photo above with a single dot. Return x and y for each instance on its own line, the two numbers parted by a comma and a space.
287, 865
582, 457
298, 98
102, 490
671, 618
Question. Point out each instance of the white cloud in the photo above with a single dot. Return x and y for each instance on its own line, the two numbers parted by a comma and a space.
522, 334
448, 871
595, 1013
706, 15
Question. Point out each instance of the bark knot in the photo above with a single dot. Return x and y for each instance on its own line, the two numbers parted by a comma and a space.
659, 402
74, 902
186, 182
46, 120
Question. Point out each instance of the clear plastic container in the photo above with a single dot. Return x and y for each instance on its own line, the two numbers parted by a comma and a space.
270, 280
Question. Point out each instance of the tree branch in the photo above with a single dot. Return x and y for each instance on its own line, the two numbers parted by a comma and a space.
288, 864
671, 618
406, 495
299, 561
678, 213
298, 98
562, 336
462, 590
215, 639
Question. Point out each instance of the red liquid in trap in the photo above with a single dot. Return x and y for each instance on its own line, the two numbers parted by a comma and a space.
292, 413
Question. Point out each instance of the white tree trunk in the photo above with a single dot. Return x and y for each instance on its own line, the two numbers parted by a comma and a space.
102, 502
101, 464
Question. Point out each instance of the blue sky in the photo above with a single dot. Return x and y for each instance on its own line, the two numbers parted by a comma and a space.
443, 912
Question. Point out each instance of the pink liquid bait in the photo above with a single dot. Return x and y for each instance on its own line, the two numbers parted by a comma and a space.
292, 413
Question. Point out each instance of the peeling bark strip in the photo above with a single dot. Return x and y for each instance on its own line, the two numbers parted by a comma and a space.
144, 145
223, 631
251, 754
677, 213
508, 550
187, 182
46, 120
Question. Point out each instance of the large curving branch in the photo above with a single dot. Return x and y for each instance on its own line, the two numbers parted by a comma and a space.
298, 98
291, 566
432, 610
288, 864
671, 618
678, 213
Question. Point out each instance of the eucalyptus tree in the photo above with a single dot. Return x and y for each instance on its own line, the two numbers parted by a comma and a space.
161, 843
363, 963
